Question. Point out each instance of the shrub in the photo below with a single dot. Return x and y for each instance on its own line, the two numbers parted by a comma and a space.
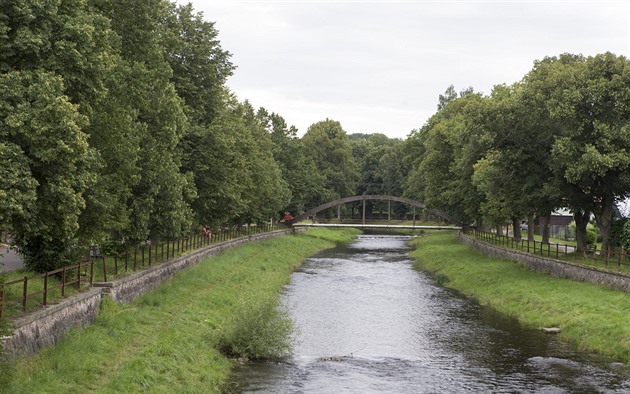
260, 329
625, 237
617, 229
591, 234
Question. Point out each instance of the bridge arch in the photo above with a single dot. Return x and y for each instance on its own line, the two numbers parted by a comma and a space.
345, 200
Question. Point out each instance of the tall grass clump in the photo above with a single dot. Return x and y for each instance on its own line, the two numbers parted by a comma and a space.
260, 329
5, 365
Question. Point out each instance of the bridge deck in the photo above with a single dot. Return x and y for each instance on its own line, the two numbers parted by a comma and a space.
394, 226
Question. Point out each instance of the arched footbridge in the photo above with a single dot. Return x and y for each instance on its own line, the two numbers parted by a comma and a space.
312, 213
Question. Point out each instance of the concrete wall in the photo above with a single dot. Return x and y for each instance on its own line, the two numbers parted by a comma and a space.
553, 267
47, 326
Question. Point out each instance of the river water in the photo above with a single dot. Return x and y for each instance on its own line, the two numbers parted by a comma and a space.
369, 323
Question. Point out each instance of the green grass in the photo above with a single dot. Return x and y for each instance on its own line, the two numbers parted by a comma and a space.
103, 269
593, 318
166, 341
553, 250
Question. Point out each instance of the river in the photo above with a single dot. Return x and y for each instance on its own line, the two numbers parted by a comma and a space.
369, 323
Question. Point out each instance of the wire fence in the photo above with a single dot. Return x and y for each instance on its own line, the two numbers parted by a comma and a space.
32, 292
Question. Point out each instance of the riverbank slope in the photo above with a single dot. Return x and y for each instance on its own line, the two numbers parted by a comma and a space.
592, 318
166, 340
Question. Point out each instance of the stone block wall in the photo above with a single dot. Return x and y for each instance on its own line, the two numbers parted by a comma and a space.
554, 267
47, 326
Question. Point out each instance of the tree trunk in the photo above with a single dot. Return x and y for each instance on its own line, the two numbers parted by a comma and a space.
581, 220
604, 219
516, 224
544, 221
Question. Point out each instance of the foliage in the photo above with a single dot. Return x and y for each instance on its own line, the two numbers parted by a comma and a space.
586, 100
625, 239
591, 234
329, 147
116, 124
380, 167
42, 133
625, 236
445, 171
617, 235
258, 330
298, 169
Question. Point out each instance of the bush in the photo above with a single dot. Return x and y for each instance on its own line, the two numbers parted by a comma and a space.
625, 237
591, 234
260, 329
617, 229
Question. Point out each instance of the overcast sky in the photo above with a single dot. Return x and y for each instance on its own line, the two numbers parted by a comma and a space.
379, 66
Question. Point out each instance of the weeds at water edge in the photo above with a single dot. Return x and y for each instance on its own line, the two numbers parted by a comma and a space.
260, 329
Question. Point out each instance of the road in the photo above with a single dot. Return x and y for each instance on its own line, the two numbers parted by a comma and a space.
9, 260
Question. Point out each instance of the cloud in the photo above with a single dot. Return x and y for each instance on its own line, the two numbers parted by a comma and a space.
379, 66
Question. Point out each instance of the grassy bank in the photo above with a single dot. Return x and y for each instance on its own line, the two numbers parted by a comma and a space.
166, 340
592, 318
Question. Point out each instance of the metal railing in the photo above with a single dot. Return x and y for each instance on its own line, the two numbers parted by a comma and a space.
553, 249
31, 292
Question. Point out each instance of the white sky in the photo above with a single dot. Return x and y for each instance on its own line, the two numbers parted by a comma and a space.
379, 66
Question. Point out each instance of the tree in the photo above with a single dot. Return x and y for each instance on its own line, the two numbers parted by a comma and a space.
298, 169
159, 201
74, 41
452, 147
200, 66
514, 174
328, 145
268, 192
588, 98
378, 168
42, 138
212, 155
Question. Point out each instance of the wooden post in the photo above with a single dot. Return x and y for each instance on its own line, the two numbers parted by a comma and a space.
45, 288
104, 272
24, 293
339, 213
389, 211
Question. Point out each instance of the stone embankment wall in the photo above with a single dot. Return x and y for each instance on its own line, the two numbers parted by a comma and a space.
553, 267
47, 326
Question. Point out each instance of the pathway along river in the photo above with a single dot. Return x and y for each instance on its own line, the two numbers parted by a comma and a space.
369, 323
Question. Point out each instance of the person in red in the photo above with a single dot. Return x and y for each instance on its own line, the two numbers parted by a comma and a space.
287, 218
206, 232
